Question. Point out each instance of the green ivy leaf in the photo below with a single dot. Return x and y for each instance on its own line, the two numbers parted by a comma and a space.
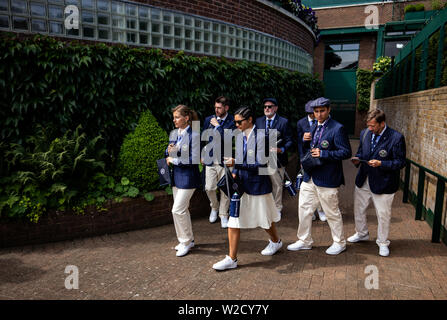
168, 190
133, 192
124, 181
149, 196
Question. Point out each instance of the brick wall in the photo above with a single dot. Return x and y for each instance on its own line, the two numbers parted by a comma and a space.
422, 118
248, 13
350, 16
131, 214
355, 16
367, 54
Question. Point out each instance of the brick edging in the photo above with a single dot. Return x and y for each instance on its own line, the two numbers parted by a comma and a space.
128, 215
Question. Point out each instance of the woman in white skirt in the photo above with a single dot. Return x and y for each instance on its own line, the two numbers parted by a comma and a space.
186, 176
257, 207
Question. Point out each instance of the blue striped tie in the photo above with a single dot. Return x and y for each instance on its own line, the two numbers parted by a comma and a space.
269, 125
245, 146
375, 138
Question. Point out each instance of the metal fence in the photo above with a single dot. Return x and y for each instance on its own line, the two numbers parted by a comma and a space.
421, 64
434, 218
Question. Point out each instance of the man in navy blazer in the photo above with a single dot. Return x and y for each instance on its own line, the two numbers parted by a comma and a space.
330, 144
304, 127
271, 120
214, 170
381, 156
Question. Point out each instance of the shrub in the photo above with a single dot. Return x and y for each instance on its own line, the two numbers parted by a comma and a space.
420, 7
436, 4
45, 173
58, 174
364, 80
414, 8
140, 150
410, 8
382, 64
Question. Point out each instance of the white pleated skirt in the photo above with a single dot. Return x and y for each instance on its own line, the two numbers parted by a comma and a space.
255, 211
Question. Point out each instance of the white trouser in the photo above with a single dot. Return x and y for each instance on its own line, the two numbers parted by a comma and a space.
382, 204
212, 175
277, 187
181, 216
309, 199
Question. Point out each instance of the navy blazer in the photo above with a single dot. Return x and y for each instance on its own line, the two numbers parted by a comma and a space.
335, 147
186, 175
227, 124
284, 134
302, 126
248, 173
391, 151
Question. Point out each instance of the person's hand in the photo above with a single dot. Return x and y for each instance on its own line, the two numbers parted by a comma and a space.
229, 162
307, 136
172, 148
169, 160
355, 161
315, 152
234, 175
214, 122
374, 163
277, 150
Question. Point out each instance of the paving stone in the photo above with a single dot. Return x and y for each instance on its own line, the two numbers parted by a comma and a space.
142, 264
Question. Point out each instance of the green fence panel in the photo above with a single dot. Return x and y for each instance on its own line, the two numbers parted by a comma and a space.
421, 64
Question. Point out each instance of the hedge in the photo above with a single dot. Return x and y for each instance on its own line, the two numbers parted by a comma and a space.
364, 81
105, 88
140, 151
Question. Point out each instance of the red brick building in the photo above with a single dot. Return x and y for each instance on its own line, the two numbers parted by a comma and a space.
254, 30
354, 33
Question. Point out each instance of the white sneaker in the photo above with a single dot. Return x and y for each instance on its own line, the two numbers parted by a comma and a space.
225, 264
314, 217
183, 250
322, 216
384, 251
224, 222
356, 238
299, 245
179, 245
213, 216
335, 249
271, 248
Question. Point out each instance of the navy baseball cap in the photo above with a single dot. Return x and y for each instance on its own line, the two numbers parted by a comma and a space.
272, 100
321, 102
308, 107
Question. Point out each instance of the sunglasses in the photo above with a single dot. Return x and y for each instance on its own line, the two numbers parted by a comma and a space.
269, 107
239, 122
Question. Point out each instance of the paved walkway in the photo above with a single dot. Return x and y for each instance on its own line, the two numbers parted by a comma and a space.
142, 264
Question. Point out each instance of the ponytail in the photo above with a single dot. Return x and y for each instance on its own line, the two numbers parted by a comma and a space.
186, 111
